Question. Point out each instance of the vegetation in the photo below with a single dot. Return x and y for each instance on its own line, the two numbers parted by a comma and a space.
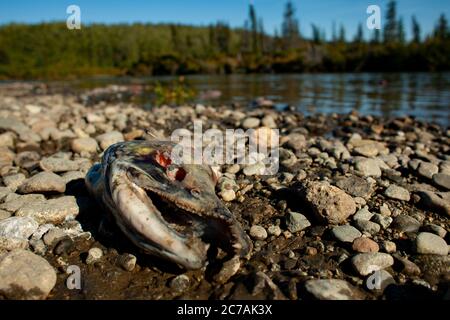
50, 50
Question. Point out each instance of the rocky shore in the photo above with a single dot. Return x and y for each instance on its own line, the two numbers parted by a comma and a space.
358, 210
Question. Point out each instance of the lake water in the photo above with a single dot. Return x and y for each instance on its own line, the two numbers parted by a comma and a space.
423, 95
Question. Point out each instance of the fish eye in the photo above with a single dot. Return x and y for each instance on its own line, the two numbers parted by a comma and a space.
195, 192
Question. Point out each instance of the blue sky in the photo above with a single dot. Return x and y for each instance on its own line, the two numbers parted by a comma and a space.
202, 12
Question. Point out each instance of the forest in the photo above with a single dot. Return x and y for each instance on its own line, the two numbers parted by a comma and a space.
51, 51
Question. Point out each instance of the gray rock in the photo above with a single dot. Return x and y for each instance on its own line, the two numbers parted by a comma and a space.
368, 167
18, 227
13, 181
51, 211
404, 223
55, 164
442, 180
80, 145
94, 255
258, 232
346, 233
332, 289
367, 226
107, 139
23, 131
427, 169
363, 214
43, 182
19, 201
428, 243
329, 203
254, 169
27, 159
53, 236
397, 193
383, 221
355, 186
366, 263
296, 222
25, 275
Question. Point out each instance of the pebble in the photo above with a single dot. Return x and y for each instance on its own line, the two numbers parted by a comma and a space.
228, 195
363, 214
56, 164
346, 233
128, 261
389, 246
258, 232
364, 245
13, 181
254, 169
383, 221
397, 193
80, 145
329, 203
366, 263
94, 254
436, 201
43, 182
72, 175
384, 210
4, 214
53, 236
427, 169
442, 180
25, 275
404, 223
332, 289
367, 226
107, 139
368, 167
18, 227
437, 230
180, 283
429, 243
296, 222
355, 186
228, 270
274, 230
50, 211
251, 123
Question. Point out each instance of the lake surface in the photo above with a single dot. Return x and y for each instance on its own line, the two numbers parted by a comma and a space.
423, 95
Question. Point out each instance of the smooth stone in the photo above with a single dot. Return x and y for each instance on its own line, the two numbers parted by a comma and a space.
51, 211
367, 226
346, 233
368, 167
429, 243
383, 221
397, 193
427, 169
18, 227
297, 222
251, 123
329, 203
72, 175
442, 180
180, 283
404, 223
365, 245
88, 145
25, 275
274, 230
13, 181
12, 243
94, 254
54, 164
43, 182
128, 261
258, 232
107, 139
332, 289
389, 246
366, 263
228, 195
18, 201
363, 214
254, 169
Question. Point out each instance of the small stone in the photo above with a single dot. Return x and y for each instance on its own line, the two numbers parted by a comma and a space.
51, 211
18, 227
38, 246
296, 222
229, 269
367, 226
233, 169
364, 245
332, 289
25, 275
12, 243
366, 151
329, 203
180, 283
363, 214
94, 254
428, 243
427, 169
258, 232
43, 182
14, 180
409, 268
80, 145
53, 236
274, 230
437, 230
346, 233
4, 214
55, 164
383, 221
366, 263
72, 175
355, 186
228, 195
128, 261
254, 169
251, 123
442, 180
384, 210
311, 251
404, 223
397, 193
389, 246
107, 139
368, 167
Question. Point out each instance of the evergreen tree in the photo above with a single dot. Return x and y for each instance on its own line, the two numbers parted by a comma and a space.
253, 28
415, 30
441, 30
376, 36
401, 31
359, 37
316, 36
342, 33
333, 32
290, 27
391, 27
